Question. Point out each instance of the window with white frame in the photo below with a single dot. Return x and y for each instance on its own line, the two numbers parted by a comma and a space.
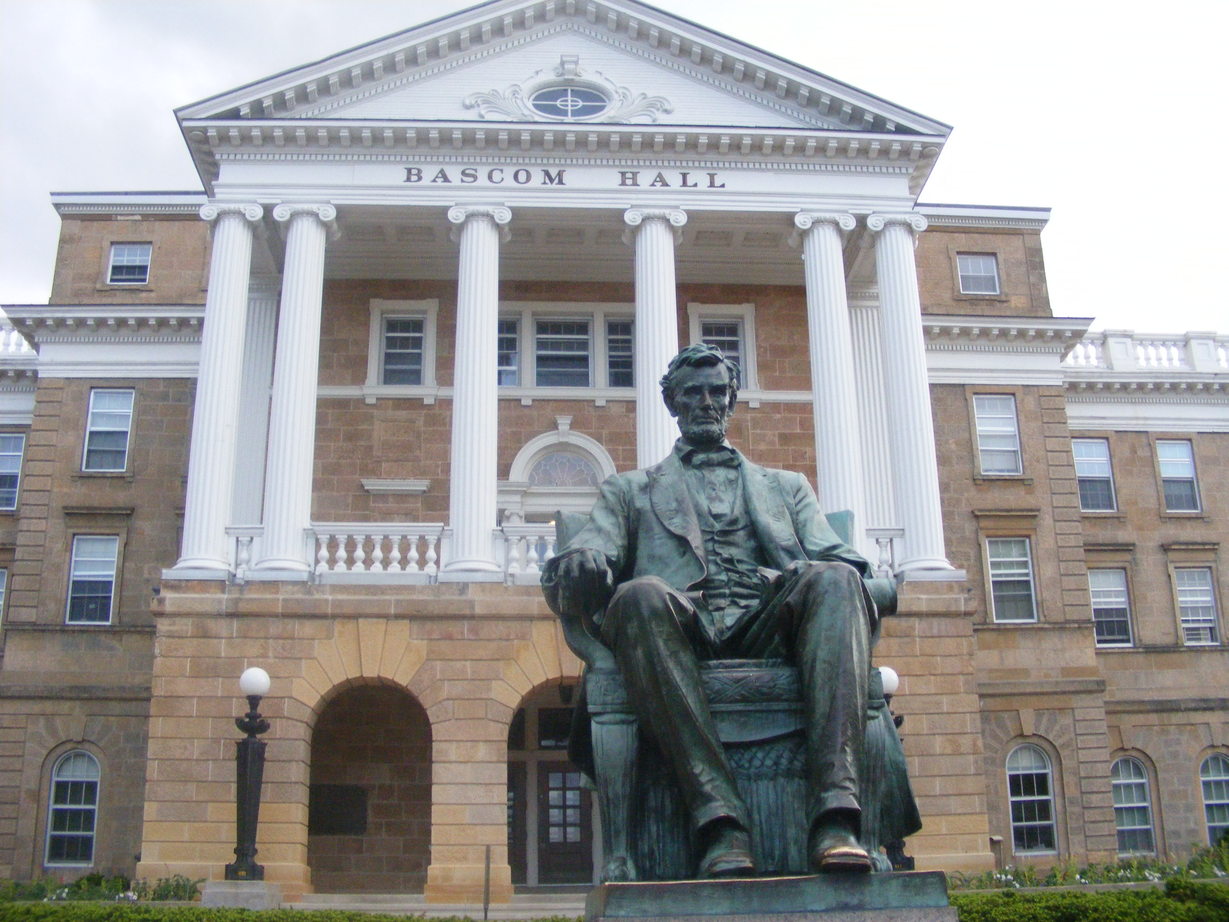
619, 357
12, 447
107, 428
129, 263
565, 345
72, 815
4, 591
562, 353
1094, 475
1214, 779
401, 348
404, 350
1011, 579
1030, 792
731, 328
1196, 605
998, 435
509, 352
1132, 807
1111, 613
979, 273
91, 580
1176, 458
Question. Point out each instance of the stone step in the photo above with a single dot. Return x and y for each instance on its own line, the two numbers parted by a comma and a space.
523, 905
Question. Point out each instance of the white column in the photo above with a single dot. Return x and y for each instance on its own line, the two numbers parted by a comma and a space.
254, 404
292, 415
834, 405
475, 389
211, 463
911, 436
880, 492
656, 329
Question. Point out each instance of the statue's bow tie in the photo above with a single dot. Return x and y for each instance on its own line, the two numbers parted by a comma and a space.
724, 458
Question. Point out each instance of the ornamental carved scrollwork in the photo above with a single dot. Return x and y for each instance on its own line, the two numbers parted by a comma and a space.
516, 102
248, 210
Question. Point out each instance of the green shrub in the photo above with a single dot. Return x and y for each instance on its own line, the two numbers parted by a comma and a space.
1183, 900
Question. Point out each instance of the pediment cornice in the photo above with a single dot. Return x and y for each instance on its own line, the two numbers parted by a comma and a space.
42, 324
306, 107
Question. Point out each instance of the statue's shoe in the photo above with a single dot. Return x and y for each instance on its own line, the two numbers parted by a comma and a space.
836, 849
729, 855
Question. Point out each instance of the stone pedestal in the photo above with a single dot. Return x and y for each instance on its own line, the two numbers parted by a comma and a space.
242, 894
890, 897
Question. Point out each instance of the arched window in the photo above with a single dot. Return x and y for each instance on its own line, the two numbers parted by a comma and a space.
73, 811
1030, 787
563, 469
1214, 777
1132, 807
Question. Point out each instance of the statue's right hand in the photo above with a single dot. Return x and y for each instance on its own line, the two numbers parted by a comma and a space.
586, 579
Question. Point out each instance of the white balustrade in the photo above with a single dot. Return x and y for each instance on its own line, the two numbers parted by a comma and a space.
1125, 351
527, 547
372, 552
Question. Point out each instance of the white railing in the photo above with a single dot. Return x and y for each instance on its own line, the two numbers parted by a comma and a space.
525, 549
12, 342
375, 552
1124, 351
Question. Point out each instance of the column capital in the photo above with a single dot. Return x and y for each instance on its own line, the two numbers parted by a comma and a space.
634, 217
325, 213
805, 220
915, 222
500, 214
215, 210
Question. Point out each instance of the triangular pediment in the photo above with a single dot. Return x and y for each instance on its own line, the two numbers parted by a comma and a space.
569, 62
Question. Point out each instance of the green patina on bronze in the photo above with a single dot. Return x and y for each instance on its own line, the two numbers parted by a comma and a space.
729, 715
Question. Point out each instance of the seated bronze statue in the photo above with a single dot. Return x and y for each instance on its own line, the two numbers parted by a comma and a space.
707, 557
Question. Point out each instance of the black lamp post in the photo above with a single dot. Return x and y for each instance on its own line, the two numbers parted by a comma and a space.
249, 772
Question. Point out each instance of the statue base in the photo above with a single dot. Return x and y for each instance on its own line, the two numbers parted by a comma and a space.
242, 894
915, 896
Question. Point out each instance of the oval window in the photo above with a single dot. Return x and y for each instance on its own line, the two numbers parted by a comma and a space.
569, 102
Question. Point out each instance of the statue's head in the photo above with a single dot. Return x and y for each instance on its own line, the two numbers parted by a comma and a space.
700, 389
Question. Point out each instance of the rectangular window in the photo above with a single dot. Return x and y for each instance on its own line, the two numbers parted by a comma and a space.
4, 591
726, 335
1094, 474
562, 350
1111, 615
1011, 579
12, 446
619, 353
979, 273
91, 582
129, 263
403, 350
1196, 606
509, 353
107, 427
998, 436
1177, 462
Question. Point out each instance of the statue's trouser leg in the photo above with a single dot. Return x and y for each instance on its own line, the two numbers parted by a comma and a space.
653, 632
824, 619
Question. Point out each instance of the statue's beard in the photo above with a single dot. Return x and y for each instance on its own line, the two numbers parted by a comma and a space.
704, 431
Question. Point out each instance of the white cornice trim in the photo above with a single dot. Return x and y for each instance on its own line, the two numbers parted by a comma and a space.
128, 203
108, 323
985, 216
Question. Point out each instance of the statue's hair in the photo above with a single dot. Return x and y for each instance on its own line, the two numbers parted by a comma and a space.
697, 355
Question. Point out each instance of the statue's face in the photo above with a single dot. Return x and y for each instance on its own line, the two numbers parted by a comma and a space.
703, 401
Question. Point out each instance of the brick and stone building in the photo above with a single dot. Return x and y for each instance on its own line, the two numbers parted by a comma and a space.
317, 417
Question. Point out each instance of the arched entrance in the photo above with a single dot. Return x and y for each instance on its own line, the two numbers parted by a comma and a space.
369, 809
552, 836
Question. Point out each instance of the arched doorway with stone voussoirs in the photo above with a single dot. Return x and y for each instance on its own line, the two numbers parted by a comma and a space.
553, 838
369, 806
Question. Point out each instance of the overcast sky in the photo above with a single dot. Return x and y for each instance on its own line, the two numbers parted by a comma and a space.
1112, 114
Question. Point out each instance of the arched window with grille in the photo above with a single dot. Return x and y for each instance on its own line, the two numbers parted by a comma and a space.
1214, 779
1132, 807
72, 814
1030, 792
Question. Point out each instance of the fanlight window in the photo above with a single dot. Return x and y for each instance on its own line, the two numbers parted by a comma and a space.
563, 469
572, 103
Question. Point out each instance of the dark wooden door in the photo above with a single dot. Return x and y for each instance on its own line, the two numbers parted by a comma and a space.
565, 825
